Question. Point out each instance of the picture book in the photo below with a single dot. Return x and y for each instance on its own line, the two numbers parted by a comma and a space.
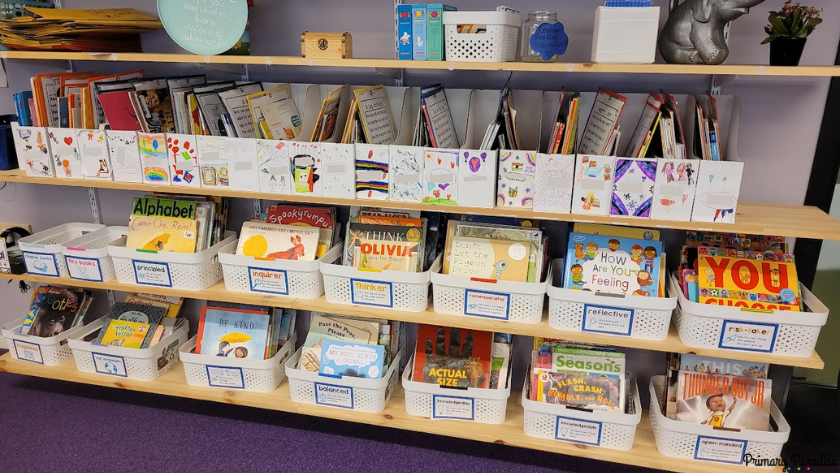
674, 190
273, 167
162, 234
238, 333
170, 208
384, 234
333, 328
593, 184
305, 169
38, 297
418, 30
633, 187
126, 334
155, 106
580, 391
590, 361
65, 151
339, 170
154, 158
59, 311
183, 160
242, 164
724, 366
406, 174
553, 186
613, 265
748, 283
477, 174
118, 110
491, 259
404, 42
517, 179
386, 255
718, 189
724, 402
434, 30
500, 365
171, 304
318, 217
372, 169
33, 150
352, 359
453, 357
125, 156
93, 148
617, 231
440, 177
283, 242
137, 314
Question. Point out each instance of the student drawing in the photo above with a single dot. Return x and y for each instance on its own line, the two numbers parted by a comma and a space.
273, 166
407, 173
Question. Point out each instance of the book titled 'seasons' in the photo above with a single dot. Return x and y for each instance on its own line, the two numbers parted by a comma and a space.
724, 402
741, 282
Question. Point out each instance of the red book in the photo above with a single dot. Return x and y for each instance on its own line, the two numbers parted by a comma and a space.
453, 357
119, 111
319, 217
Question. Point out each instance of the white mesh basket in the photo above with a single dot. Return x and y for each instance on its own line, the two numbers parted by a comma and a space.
363, 395
502, 300
43, 252
690, 441
614, 314
301, 279
497, 44
396, 290
486, 406
87, 257
235, 373
187, 271
48, 351
596, 428
784, 333
142, 364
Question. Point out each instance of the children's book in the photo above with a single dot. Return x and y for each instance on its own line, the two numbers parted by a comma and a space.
453, 357
418, 30
125, 156
283, 242
141, 315
434, 30
183, 160
65, 151
319, 217
60, 309
273, 167
386, 255
354, 360
500, 365
170, 303
490, 259
229, 332
633, 187
162, 234
724, 366
440, 177
154, 158
613, 265
169, 208
404, 37
387, 234
517, 179
33, 150
155, 106
333, 328
375, 113
500, 232
34, 306
724, 402
741, 282
126, 334
581, 391
618, 231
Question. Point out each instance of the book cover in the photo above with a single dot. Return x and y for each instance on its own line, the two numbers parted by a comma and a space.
118, 111
354, 360
38, 297
333, 328
127, 334
155, 106
214, 162
284, 242
453, 357
183, 160
33, 150
125, 156
273, 167
590, 361
339, 170
580, 391
724, 402
153, 158
406, 174
500, 365
242, 164
386, 255
59, 311
161, 234
517, 179
477, 177
489, 259
418, 30
718, 189
440, 177
383, 234
65, 152
633, 187
614, 230
404, 32
674, 190
172, 308
237, 333
724, 366
613, 265
96, 163
318, 217
121, 333
740, 282
170, 208
434, 30
305, 168
593, 184
502, 232
372, 170
553, 183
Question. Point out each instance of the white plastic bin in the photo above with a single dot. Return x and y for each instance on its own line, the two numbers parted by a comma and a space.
625, 35
261, 376
142, 364
690, 441
187, 271
43, 251
596, 428
47, 351
779, 332
301, 279
486, 406
362, 395
87, 257
497, 44
503, 300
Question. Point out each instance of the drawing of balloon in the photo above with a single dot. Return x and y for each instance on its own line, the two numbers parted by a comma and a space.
564, 431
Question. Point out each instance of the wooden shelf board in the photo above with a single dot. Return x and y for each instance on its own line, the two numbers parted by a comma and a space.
173, 383
727, 69
758, 219
218, 292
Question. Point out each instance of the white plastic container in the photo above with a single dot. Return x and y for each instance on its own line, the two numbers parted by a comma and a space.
596, 428
398, 290
503, 300
142, 364
625, 35
783, 333
47, 351
261, 376
87, 257
187, 271
497, 44
486, 406
362, 395
43, 251
301, 279
690, 441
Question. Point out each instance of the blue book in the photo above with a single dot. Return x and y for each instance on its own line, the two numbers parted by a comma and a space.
404, 32
357, 360
613, 265
418, 31
235, 333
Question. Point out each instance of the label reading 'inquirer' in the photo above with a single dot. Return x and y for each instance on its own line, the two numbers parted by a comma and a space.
28, 351
335, 396
578, 431
748, 336
376, 293
451, 407
86, 269
720, 450
152, 274
607, 320
267, 280
492, 305
225, 377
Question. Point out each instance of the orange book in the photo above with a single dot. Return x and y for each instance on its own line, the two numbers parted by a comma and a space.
458, 358
746, 283
383, 220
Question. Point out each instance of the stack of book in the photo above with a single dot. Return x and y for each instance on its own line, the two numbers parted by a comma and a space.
137, 325
707, 133
53, 310
565, 129
420, 32
434, 127
327, 119
370, 119
183, 224
387, 240
323, 218
243, 331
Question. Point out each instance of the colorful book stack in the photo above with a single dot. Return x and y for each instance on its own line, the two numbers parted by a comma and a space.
386, 240
182, 224
54, 310
243, 331
420, 32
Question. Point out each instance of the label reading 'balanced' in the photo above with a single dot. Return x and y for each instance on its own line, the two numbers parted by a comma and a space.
748, 336
451, 407
332, 395
225, 377
375, 293
152, 274
28, 351
720, 450
607, 320
109, 364
267, 280
578, 431
487, 304
86, 269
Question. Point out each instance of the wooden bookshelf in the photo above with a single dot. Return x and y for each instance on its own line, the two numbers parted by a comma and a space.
683, 69
173, 383
217, 292
758, 219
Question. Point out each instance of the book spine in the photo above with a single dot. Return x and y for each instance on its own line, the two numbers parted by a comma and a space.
418, 28
404, 34
434, 31
558, 139
429, 127
553, 137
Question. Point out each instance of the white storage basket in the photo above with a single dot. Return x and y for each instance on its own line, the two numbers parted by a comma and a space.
87, 257
142, 364
497, 44
362, 395
486, 406
596, 428
396, 290
690, 441
235, 373
783, 333
47, 351
613, 314
301, 279
502, 300
43, 252
187, 271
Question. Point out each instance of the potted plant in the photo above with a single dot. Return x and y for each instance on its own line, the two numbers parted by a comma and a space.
788, 31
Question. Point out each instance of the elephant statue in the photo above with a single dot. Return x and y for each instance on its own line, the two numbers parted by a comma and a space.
693, 33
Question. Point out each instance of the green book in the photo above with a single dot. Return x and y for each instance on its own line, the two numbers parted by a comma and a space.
154, 207
434, 30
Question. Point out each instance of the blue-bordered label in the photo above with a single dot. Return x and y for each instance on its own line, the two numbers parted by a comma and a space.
28, 351
335, 396
225, 377
573, 430
268, 280
109, 364
748, 336
150, 273
492, 305
85, 269
375, 293
41, 264
611, 320
714, 449
453, 407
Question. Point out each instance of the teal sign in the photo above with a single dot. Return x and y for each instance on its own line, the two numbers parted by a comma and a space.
204, 26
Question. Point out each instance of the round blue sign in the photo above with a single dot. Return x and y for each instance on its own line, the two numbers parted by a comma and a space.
549, 40
788, 295
204, 26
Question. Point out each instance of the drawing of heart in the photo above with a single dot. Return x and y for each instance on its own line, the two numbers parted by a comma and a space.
448, 196
475, 164
370, 154
443, 186
452, 165
370, 193
439, 160
68, 140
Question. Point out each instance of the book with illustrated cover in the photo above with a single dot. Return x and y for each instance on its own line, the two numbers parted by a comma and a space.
169, 208
501, 232
343, 329
155, 112
383, 234
580, 390
144, 322
319, 217
491, 259
724, 401
386, 255
161, 234
617, 231
38, 297
170, 303
60, 309
272, 241
352, 359
613, 265
453, 357
741, 282
230, 332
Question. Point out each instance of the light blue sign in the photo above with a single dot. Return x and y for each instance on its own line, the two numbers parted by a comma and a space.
204, 26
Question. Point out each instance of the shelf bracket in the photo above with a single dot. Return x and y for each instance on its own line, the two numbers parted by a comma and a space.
93, 197
393, 73
719, 80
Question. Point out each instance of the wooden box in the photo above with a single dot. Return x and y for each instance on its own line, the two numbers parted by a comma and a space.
326, 45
